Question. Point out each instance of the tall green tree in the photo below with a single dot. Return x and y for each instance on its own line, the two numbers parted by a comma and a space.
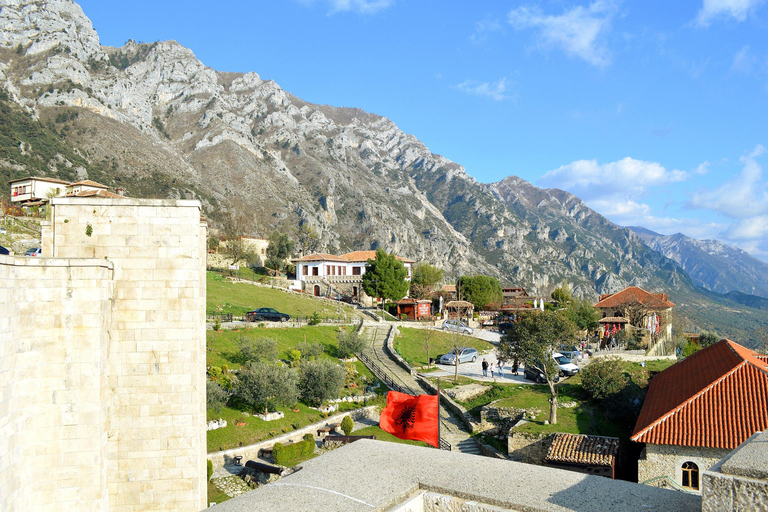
278, 250
534, 338
562, 295
385, 277
479, 290
582, 313
425, 279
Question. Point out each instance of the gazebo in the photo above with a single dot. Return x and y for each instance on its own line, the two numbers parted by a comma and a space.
459, 309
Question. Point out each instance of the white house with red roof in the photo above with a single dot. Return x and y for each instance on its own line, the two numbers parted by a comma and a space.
699, 410
635, 306
36, 190
329, 275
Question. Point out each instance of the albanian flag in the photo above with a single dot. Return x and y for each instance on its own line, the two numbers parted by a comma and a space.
411, 417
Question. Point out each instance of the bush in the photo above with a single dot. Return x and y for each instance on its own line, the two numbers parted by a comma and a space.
707, 338
321, 380
350, 343
217, 324
347, 425
604, 377
262, 349
294, 356
215, 395
690, 349
210, 469
288, 455
314, 319
310, 350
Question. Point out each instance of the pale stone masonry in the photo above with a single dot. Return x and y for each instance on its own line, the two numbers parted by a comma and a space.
102, 360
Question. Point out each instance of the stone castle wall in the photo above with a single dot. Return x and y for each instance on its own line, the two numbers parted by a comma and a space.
102, 360
661, 462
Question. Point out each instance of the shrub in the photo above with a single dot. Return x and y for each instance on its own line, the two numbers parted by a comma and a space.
215, 395
689, 349
320, 380
294, 356
210, 469
288, 455
604, 377
217, 324
707, 338
262, 349
310, 350
347, 425
350, 343
314, 319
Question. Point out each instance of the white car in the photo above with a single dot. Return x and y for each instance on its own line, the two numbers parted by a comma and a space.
565, 365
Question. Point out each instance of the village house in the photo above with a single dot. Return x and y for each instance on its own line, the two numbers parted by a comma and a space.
699, 410
635, 306
338, 276
36, 191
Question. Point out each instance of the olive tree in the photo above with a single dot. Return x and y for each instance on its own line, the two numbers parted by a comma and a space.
321, 380
350, 343
262, 384
604, 377
534, 338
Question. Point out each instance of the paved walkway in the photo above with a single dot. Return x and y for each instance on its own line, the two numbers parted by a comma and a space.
452, 429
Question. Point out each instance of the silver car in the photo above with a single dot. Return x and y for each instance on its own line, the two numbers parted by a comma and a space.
466, 354
457, 326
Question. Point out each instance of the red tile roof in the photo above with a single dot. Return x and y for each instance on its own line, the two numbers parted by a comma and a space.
582, 449
322, 257
715, 398
368, 255
97, 193
89, 183
634, 294
42, 178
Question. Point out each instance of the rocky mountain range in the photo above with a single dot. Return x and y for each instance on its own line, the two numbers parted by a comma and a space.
710, 263
152, 118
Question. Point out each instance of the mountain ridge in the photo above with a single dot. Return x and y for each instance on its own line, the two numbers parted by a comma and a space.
154, 119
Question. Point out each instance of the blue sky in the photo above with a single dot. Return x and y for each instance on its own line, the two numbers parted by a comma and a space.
653, 112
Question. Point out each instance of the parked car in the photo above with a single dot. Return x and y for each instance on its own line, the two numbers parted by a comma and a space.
457, 326
3, 250
35, 251
572, 353
504, 327
565, 365
466, 354
266, 314
537, 375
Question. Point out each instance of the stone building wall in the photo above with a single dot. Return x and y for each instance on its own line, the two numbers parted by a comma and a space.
103, 358
661, 462
531, 449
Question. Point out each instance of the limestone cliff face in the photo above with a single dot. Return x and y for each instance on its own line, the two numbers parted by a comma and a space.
156, 114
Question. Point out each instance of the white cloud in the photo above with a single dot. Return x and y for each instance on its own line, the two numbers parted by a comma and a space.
742, 197
359, 6
749, 229
494, 90
626, 178
580, 31
483, 28
736, 9
743, 61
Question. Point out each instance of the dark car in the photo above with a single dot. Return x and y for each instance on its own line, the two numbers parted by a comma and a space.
266, 314
537, 375
3, 250
504, 327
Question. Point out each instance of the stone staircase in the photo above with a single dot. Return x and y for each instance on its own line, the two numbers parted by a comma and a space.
452, 429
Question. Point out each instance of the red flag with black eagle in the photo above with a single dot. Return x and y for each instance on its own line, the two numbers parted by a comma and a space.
411, 417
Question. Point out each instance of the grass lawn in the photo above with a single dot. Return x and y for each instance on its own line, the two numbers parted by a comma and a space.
223, 348
410, 344
215, 495
385, 436
237, 298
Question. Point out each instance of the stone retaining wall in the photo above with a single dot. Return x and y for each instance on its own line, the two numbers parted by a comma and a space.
251, 452
392, 352
531, 449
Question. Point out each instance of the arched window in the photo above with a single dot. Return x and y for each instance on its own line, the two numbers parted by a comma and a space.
690, 476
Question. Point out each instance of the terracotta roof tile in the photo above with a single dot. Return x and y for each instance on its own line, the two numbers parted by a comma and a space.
582, 449
715, 398
633, 293
89, 183
322, 257
97, 193
368, 255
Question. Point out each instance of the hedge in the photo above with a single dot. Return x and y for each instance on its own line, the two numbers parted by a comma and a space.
285, 455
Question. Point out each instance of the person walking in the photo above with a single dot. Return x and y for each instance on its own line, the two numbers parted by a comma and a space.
500, 366
490, 367
485, 368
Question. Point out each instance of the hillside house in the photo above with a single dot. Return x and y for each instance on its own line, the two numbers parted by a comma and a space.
329, 275
414, 309
593, 455
34, 191
699, 410
635, 306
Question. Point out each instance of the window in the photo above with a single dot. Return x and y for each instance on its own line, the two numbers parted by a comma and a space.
315, 271
690, 476
356, 271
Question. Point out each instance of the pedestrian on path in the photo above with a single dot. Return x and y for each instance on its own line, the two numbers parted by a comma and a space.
500, 366
490, 367
485, 368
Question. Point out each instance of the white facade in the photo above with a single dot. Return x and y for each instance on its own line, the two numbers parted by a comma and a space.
36, 189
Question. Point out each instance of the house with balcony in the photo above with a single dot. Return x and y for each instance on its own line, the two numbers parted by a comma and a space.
328, 275
35, 191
